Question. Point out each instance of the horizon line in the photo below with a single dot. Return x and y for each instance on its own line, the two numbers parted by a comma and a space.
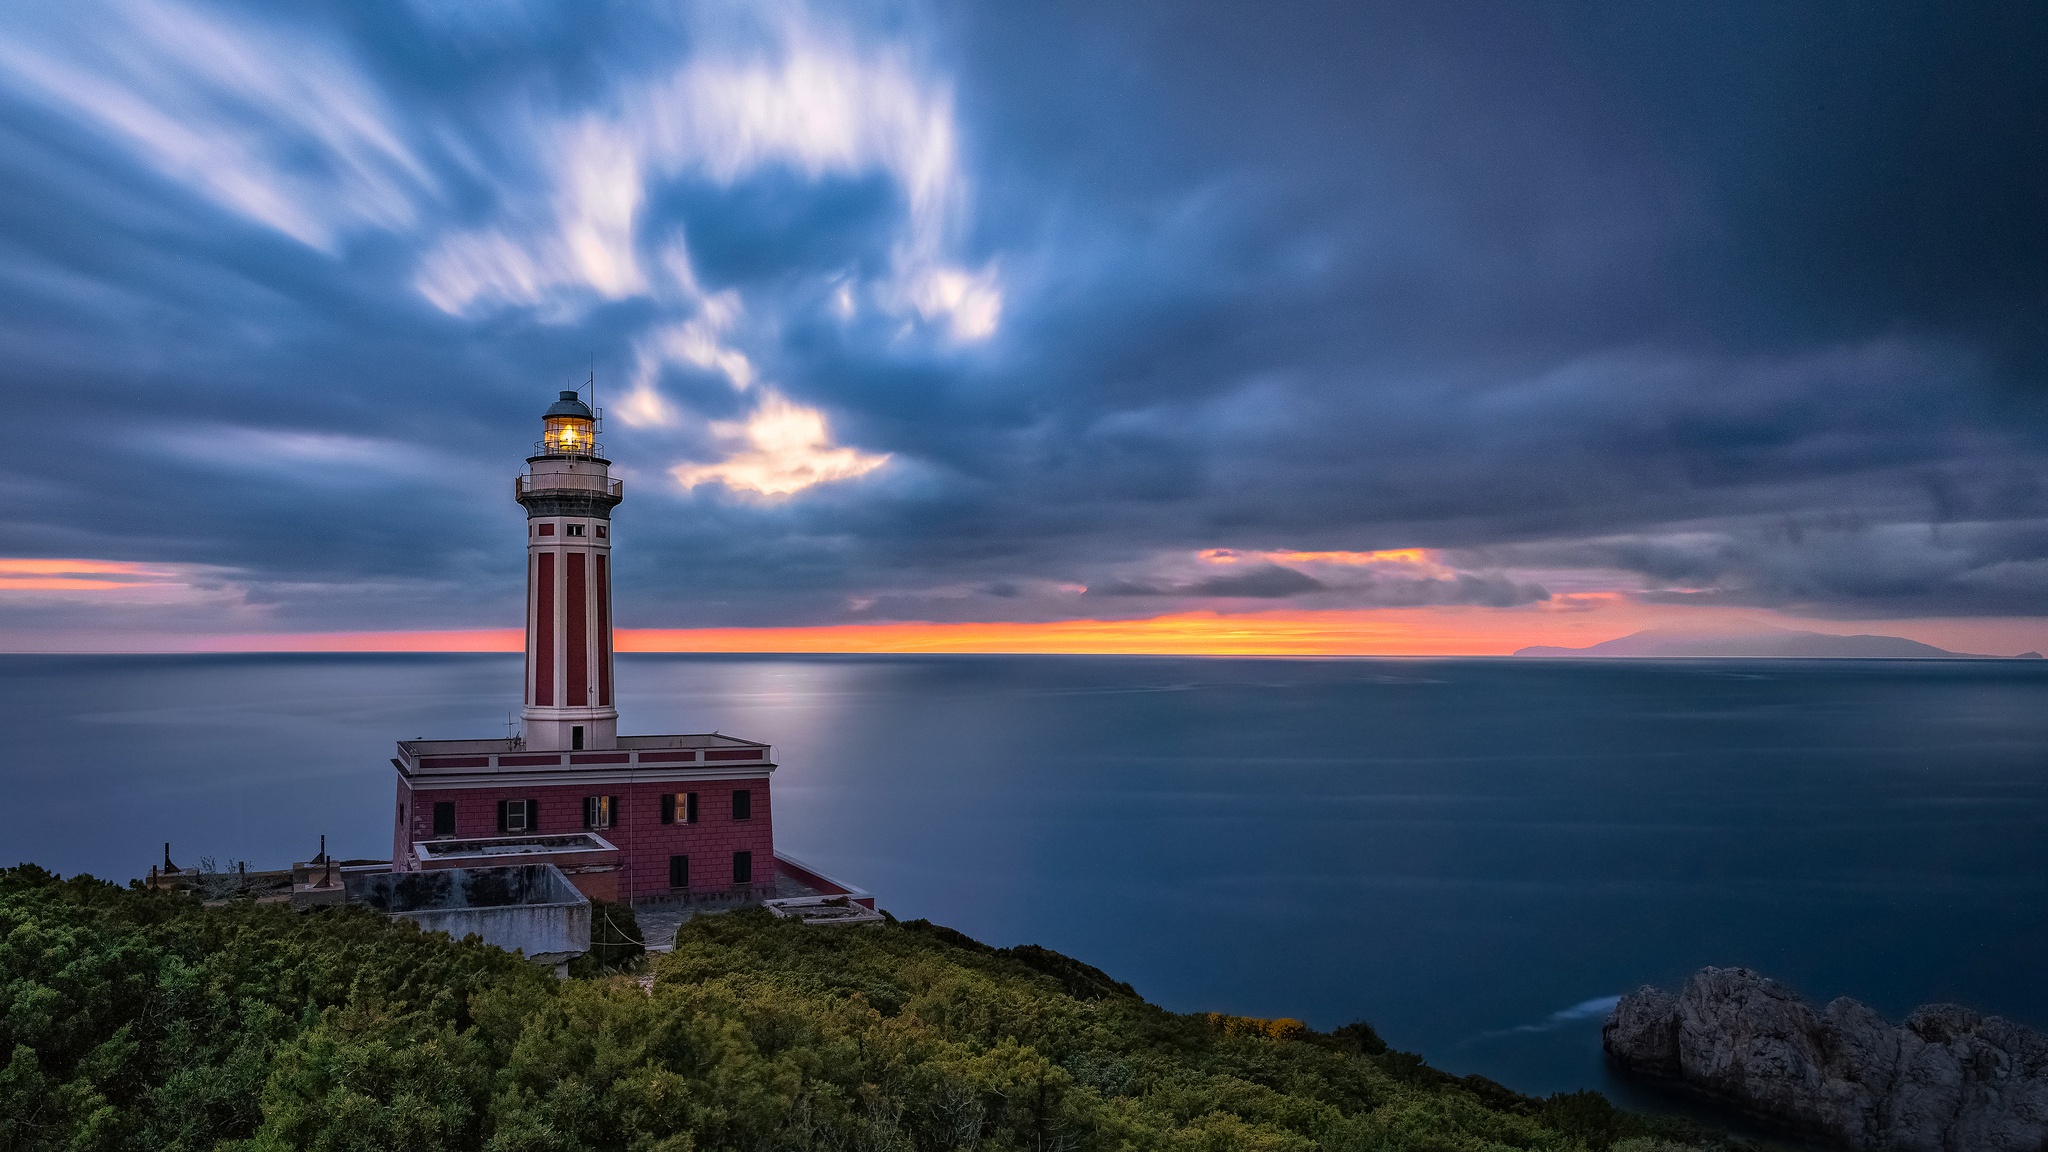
1440, 631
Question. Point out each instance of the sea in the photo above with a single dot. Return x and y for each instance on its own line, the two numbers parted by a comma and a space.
1475, 855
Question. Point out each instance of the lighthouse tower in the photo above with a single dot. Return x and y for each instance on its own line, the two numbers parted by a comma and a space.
674, 819
569, 495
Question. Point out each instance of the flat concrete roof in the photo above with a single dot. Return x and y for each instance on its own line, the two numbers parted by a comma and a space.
489, 847
698, 755
631, 743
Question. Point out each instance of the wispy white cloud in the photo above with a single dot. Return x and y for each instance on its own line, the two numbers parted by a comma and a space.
807, 97
281, 127
276, 126
969, 304
819, 104
313, 459
787, 448
700, 341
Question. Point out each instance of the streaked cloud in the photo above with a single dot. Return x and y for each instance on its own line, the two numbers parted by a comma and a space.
801, 96
1389, 578
814, 100
269, 122
1148, 318
19, 574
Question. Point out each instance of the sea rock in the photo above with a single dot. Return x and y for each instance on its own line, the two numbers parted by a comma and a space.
1948, 1080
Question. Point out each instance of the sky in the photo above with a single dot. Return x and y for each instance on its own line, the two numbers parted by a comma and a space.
1307, 327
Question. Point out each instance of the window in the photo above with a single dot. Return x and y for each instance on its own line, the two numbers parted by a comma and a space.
598, 810
576, 737
600, 532
743, 867
679, 808
444, 817
742, 804
679, 871
575, 530
547, 529
518, 815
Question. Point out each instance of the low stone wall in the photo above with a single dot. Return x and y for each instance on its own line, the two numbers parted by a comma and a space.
529, 908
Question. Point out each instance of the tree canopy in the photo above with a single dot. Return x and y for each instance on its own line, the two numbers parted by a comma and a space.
142, 1020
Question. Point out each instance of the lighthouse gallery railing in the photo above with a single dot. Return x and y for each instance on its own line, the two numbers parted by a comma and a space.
523, 484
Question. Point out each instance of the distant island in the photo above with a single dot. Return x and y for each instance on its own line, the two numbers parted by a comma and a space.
1762, 643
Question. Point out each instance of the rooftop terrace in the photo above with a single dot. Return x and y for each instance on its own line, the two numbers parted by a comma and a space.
469, 757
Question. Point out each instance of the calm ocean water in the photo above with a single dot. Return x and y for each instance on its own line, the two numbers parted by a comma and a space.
1472, 854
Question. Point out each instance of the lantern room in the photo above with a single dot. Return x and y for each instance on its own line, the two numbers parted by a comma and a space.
570, 429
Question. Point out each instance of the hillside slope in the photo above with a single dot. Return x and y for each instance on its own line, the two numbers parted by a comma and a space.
141, 1020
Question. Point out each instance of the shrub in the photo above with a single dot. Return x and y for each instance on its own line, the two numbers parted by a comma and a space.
141, 1020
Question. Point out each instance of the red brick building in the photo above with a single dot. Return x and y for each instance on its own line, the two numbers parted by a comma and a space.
625, 817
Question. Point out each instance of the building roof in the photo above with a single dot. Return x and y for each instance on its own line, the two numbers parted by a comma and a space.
703, 754
514, 745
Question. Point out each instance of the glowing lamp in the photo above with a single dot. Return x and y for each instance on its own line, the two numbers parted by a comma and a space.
571, 429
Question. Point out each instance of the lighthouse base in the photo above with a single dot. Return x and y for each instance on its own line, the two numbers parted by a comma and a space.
570, 729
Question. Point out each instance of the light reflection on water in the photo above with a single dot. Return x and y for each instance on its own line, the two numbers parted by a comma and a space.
1465, 852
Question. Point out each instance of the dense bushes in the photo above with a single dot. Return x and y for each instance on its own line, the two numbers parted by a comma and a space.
138, 1020
615, 940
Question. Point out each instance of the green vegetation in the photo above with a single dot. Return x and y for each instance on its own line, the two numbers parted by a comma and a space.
615, 941
131, 1019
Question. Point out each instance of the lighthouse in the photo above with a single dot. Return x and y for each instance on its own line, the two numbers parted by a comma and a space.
672, 820
569, 494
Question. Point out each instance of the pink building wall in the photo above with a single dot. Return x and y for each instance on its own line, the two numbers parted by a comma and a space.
644, 842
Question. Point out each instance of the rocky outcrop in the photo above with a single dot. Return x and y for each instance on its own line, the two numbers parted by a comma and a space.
1948, 1080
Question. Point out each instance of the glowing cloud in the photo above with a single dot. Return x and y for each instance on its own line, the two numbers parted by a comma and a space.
971, 305
1352, 559
39, 575
789, 450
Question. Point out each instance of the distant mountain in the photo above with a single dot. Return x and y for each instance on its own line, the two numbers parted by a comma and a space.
1761, 643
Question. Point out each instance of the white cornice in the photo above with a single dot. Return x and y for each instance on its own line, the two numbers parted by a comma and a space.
609, 774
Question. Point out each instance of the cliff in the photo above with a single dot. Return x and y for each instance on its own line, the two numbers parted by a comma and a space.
1948, 1080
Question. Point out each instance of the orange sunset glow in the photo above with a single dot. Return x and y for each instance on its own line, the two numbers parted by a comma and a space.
1288, 556
35, 575
1572, 622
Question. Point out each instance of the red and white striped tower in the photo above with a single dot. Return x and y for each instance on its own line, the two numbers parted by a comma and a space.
569, 496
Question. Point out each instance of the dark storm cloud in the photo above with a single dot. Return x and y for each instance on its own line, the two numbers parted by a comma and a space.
1741, 302
1263, 582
